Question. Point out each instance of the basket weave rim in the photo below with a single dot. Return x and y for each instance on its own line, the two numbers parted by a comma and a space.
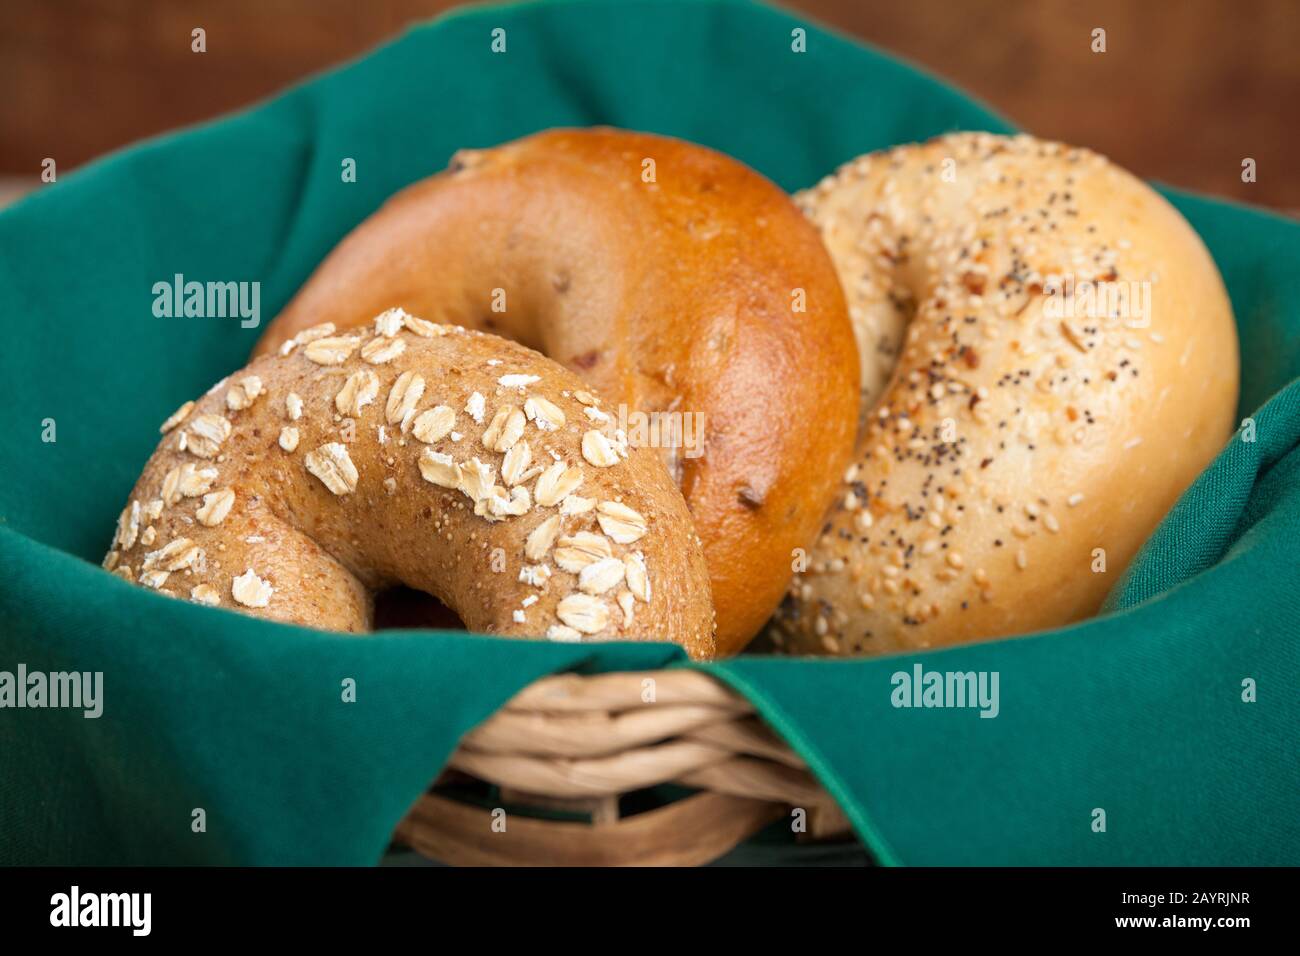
581, 742
579, 736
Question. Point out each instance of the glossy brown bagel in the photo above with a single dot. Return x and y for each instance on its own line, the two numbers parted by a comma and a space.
672, 279
1049, 360
453, 462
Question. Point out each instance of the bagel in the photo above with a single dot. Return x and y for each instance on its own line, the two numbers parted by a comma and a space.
673, 280
1049, 359
453, 462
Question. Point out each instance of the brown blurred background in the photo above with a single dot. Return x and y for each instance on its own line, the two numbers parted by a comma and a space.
1184, 92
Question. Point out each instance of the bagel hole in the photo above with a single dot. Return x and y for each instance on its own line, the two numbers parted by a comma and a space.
403, 608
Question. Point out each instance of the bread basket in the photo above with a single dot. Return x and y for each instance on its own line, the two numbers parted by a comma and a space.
566, 756
257, 724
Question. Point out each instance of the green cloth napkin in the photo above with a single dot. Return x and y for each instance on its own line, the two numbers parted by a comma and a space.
1139, 713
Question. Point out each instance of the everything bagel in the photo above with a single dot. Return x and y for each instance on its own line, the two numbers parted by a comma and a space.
1049, 359
453, 462
675, 281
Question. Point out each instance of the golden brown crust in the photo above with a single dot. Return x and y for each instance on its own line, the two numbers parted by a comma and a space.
450, 461
1025, 445
703, 292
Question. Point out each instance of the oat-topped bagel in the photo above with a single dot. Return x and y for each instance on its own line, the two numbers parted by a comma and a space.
671, 278
450, 461
1066, 365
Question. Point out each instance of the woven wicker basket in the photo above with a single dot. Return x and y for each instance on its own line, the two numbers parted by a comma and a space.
579, 746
